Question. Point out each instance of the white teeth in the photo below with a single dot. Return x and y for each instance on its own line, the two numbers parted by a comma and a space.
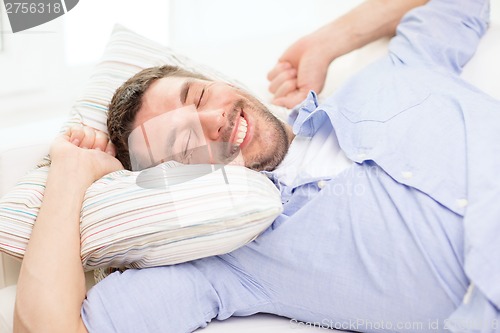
242, 131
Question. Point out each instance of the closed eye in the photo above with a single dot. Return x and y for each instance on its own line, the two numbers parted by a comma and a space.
201, 96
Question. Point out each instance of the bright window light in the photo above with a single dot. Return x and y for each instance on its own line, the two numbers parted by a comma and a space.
87, 27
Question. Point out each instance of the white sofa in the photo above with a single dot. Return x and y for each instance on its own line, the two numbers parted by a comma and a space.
19, 153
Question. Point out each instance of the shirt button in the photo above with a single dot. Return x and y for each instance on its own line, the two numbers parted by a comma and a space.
321, 184
462, 203
407, 174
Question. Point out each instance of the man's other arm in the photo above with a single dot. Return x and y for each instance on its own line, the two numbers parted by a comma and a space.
442, 34
304, 65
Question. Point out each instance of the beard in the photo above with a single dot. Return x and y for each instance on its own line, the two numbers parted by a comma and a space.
274, 145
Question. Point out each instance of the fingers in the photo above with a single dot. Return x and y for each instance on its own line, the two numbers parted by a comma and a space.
110, 148
76, 134
281, 78
292, 99
90, 138
280, 67
288, 94
101, 141
286, 88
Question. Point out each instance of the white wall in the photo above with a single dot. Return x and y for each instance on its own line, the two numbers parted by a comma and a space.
244, 39
44, 68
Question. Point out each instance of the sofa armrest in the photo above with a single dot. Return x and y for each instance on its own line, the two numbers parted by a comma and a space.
21, 148
14, 163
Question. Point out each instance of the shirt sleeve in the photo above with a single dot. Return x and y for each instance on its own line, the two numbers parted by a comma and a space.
442, 34
178, 298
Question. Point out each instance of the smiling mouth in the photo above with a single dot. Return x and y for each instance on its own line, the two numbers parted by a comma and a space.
238, 136
241, 132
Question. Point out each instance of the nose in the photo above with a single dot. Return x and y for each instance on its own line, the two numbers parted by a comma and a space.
213, 122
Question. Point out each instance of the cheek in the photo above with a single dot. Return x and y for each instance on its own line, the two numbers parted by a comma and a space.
223, 95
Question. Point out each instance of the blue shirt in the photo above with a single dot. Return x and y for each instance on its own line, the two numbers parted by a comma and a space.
396, 249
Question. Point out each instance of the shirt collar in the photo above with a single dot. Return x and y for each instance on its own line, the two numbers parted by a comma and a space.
306, 117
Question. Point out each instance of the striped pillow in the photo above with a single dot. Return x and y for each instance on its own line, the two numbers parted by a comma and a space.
200, 213
125, 225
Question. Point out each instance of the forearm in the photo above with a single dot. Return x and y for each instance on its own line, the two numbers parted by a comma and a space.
51, 285
366, 23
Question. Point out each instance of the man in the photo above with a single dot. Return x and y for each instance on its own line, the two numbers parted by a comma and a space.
390, 197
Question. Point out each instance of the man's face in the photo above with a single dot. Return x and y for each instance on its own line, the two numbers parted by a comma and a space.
194, 121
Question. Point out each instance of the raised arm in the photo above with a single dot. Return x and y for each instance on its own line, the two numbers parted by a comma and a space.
442, 35
51, 286
304, 64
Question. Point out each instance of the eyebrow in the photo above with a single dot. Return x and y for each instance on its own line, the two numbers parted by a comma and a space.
184, 91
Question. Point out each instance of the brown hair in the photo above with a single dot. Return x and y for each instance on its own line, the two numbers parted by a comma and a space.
127, 101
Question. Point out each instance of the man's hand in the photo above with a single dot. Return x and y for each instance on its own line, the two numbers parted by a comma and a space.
91, 148
301, 68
